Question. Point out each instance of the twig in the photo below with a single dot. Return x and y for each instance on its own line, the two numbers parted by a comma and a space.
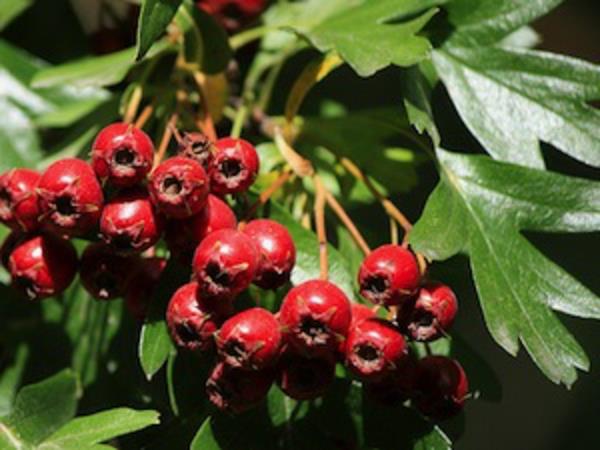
133, 105
245, 37
348, 223
144, 116
208, 125
393, 231
321, 229
301, 166
164, 141
265, 195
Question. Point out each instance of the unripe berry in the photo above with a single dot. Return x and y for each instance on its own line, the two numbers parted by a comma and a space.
277, 252
389, 275
235, 390
42, 266
104, 273
179, 187
141, 286
250, 340
129, 222
315, 316
225, 264
183, 236
235, 166
374, 349
192, 320
197, 146
19, 208
122, 154
70, 197
441, 387
431, 315
304, 378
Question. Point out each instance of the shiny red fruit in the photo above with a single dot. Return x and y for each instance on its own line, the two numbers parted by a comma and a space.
396, 387
225, 264
183, 236
432, 314
122, 154
374, 349
104, 273
389, 275
234, 390
250, 340
193, 320
130, 223
197, 146
179, 187
233, 14
9, 244
304, 378
42, 266
277, 252
19, 208
315, 316
360, 312
441, 387
142, 284
235, 166
70, 198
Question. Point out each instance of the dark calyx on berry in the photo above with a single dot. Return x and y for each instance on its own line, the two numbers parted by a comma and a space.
235, 166
432, 313
197, 146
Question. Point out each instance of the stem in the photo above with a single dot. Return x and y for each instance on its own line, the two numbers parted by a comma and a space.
264, 196
393, 231
208, 126
133, 105
164, 141
144, 116
238, 123
321, 229
301, 166
245, 37
348, 223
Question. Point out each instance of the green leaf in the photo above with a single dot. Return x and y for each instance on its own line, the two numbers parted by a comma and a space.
307, 254
10, 378
388, 23
484, 22
479, 208
416, 93
86, 431
39, 410
155, 16
510, 99
11, 9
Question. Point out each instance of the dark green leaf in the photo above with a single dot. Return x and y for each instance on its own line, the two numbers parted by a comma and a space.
155, 16
10, 10
510, 99
10, 378
479, 207
416, 92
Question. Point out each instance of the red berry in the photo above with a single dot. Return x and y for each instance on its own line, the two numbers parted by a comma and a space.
235, 390
389, 275
70, 197
441, 387
374, 349
129, 222
315, 316
9, 244
250, 340
233, 14
192, 320
431, 315
235, 166
42, 266
277, 251
104, 273
360, 312
396, 387
122, 154
225, 264
179, 187
183, 236
142, 284
18, 199
304, 378
197, 146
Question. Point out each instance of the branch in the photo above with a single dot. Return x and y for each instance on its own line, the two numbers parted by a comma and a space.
348, 223
321, 229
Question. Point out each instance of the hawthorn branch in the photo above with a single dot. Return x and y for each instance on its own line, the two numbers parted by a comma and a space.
206, 123
133, 105
144, 116
320, 199
164, 141
348, 223
265, 195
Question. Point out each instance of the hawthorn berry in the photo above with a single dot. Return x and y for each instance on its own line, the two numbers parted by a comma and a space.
235, 166
277, 252
374, 348
250, 340
304, 378
197, 146
129, 222
232, 14
179, 187
19, 208
183, 236
142, 284
234, 390
315, 317
432, 313
441, 387
70, 197
192, 320
8, 245
122, 154
360, 312
396, 387
389, 275
42, 266
104, 273
225, 264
